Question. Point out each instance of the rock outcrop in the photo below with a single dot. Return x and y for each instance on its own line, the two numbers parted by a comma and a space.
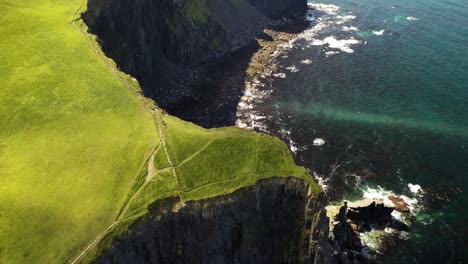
276, 220
349, 220
165, 43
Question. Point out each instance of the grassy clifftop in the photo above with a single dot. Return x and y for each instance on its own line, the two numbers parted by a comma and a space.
72, 136
81, 151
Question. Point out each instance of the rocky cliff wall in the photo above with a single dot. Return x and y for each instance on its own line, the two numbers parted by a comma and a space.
164, 43
275, 221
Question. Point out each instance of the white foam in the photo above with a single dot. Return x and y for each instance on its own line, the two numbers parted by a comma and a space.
280, 75
398, 216
378, 32
334, 43
343, 19
255, 93
306, 61
319, 142
350, 28
329, 53
414, 188
321, 181
328, 20
405, 235
412, 18
326, 8
292, 68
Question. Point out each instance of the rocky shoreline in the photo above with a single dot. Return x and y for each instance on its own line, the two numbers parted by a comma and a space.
353, 220
350, 221
221, 88
214, 98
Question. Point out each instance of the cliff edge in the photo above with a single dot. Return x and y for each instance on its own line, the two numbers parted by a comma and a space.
277, 220
164, 43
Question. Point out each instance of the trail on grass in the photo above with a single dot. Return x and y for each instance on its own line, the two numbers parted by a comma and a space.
155, 112
195, 154
137, 192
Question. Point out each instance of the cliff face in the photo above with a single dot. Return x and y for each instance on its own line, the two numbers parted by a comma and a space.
164, 43
274, 221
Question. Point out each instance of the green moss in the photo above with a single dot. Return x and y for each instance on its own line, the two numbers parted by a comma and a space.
170, 24
180, 250
196, 10
216, 43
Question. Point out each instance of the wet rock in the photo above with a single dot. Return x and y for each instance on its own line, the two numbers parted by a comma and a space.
350, 220
369, 210
399, 204
353, 241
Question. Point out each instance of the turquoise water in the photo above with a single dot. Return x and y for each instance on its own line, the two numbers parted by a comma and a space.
385, 84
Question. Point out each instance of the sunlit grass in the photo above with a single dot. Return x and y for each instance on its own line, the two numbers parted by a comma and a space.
72, 137
75, 142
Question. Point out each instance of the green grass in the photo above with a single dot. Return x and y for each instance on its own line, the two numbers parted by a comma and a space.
72, 137
160, 159
196, 10
212, 162
77, 147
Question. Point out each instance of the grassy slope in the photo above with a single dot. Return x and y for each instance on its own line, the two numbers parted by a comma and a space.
212, 162
75, 143
72, 137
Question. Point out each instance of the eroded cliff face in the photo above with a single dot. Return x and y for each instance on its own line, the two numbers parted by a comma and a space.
164, 43
275, 221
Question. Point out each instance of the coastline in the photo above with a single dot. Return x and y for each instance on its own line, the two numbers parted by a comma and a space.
246, 76
227, 83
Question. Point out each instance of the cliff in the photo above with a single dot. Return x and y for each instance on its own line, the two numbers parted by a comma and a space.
277, 220
165, 43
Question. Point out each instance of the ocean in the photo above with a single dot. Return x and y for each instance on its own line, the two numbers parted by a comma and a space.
374, 100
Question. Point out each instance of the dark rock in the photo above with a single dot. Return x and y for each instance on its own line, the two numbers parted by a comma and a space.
370, 211
157, 41
353, 241
274, 221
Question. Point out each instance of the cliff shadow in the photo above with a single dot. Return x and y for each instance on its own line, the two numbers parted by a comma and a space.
214, 99
190, 59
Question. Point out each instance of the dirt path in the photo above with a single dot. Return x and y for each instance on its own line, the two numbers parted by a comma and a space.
195, 154
149, 175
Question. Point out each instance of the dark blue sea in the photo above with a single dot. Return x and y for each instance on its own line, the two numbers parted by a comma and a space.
374, 100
